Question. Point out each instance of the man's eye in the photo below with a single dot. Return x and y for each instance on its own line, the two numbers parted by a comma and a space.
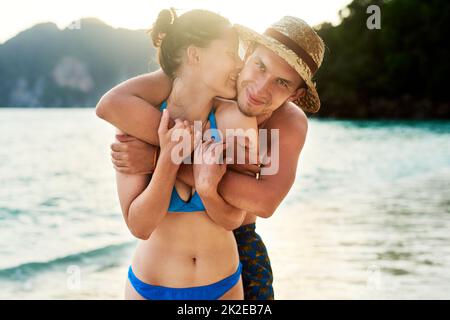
282, 83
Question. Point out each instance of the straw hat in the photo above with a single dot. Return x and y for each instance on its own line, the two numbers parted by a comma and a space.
299, 45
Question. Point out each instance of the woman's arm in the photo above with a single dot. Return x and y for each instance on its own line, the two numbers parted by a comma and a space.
220, 211
207, 175
132, 105
144, 204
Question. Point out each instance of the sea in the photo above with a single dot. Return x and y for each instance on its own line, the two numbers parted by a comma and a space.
368, 216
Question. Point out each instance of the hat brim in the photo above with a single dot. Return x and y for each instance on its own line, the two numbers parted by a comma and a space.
310, 102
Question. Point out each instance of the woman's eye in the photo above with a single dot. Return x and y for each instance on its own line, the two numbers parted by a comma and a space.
260, 66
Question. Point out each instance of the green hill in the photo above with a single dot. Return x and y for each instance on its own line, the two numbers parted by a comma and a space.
48, 67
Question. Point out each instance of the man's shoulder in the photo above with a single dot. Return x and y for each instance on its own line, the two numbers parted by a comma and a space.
290, 118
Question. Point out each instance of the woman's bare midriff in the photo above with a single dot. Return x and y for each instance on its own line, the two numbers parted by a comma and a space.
187, 249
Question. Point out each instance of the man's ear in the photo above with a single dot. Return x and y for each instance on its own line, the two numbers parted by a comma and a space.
299, 93
192, 54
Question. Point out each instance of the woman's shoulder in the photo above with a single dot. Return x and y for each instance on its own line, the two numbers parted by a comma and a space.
221, 104
228, 114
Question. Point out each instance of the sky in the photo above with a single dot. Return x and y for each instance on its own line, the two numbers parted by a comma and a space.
18, 15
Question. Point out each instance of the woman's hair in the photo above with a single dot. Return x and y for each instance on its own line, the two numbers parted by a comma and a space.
172, 35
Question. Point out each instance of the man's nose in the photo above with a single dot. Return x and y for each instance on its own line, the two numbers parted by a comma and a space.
262, 86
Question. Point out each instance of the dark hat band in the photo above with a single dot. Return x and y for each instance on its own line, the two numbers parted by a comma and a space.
299, 51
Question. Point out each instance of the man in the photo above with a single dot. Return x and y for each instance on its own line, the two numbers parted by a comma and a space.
275, 81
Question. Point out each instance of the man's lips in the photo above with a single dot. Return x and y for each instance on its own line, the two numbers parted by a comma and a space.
253, 100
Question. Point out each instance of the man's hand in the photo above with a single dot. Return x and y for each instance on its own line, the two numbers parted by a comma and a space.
242, 146
130, 155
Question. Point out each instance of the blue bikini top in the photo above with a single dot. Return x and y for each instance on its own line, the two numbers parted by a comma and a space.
195, 203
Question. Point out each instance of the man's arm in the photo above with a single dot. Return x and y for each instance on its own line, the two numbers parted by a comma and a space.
131, 105
263, 196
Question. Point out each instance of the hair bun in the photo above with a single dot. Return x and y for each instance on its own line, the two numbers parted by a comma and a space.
162, 25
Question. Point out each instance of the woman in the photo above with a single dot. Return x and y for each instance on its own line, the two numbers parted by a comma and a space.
186, 253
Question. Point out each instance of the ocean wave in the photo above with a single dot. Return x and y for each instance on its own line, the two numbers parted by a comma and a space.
4, 211
100, 257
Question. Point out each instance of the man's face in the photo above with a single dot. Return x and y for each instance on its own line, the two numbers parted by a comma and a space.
266, 82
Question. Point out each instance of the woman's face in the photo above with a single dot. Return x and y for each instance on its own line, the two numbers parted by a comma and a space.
220, 65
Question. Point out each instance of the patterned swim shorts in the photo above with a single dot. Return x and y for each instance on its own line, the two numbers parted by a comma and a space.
257, 275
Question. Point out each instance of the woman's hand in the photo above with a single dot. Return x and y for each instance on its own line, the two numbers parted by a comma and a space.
179, 138
209, 166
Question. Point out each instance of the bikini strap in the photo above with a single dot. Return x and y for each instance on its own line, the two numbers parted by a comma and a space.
213, 126
212, 119
163, 106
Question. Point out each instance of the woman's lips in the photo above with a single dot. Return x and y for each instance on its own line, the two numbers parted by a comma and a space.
252, 99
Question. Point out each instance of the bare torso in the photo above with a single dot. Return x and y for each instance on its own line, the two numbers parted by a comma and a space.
187, 249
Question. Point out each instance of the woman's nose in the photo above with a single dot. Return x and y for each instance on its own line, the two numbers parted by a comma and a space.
239, 63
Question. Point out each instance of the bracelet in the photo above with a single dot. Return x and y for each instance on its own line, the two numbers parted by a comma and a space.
258, 174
